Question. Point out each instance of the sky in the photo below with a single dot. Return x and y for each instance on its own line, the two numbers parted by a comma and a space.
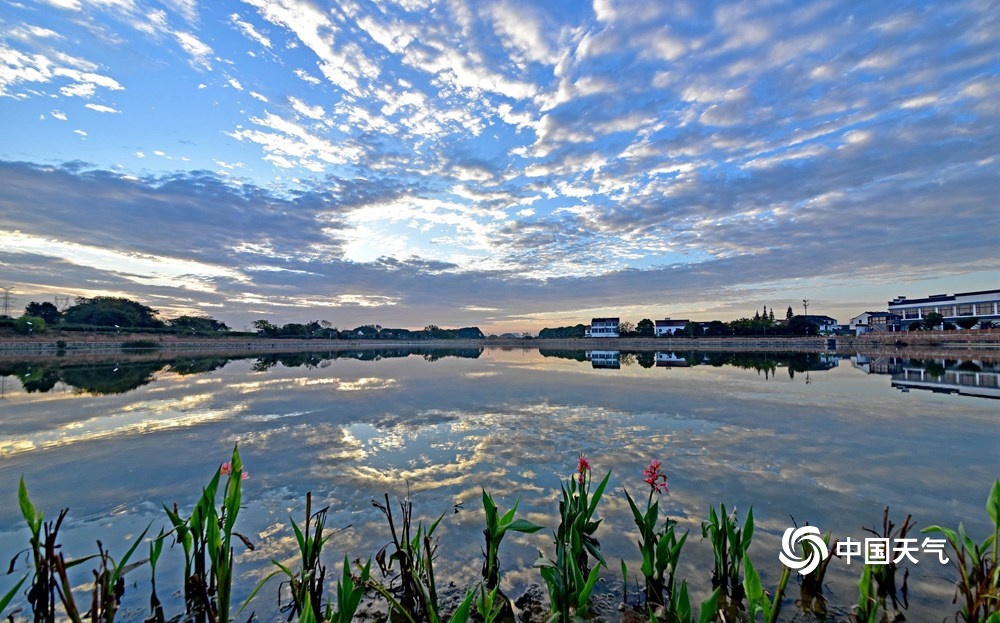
508, 164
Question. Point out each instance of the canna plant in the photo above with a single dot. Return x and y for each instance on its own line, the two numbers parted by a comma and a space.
659, 546
729, 544
885, 575
497, 526
568, 577
757, 599
978, 566
207, 538
307, 584
811, 585
415, 552
867, 608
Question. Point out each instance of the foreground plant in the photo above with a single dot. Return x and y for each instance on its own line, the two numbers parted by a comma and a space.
207, 537
729, 545
414, 552
885, 575
977, 565
758, 600
497, 526
51, 571
658, 544
568, 578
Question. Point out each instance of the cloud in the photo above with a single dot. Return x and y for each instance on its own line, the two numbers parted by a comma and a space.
101, 108
521, 158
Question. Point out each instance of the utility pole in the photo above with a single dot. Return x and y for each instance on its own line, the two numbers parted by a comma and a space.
805, 303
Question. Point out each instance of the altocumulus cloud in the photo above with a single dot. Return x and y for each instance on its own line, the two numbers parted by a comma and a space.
531, 163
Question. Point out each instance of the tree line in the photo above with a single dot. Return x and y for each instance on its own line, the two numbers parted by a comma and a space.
761, 324
107, 313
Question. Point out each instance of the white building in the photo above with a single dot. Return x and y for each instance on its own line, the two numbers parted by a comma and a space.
669, 327
984, 305
874, 322
602, 327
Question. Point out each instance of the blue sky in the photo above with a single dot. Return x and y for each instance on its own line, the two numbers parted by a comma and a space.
511, 165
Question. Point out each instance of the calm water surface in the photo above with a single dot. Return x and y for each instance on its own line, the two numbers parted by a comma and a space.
824, 440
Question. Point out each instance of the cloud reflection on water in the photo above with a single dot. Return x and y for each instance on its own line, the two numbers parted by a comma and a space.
832, 452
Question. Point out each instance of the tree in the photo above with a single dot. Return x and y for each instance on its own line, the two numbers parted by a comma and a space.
933, 320
107, 311
799, 325
265, 328
626, 329
692, 329
198, 324
29, 324
716, 327
645, 328
46, 311
789, 313
967, 323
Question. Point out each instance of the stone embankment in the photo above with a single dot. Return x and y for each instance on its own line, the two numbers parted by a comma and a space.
946, 343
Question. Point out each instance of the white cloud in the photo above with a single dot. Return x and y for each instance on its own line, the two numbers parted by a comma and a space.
313, 112
200, 52
61, 116
101, 108
307, 77
250, 31
136, 267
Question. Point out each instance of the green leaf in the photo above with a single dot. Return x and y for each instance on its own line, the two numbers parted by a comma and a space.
119, 569
584, 597
683, 608
523, 525
756, 596
597, 495
748, 527
6, 599
461, 614
257, 588
993, 503
709, 607
27, 508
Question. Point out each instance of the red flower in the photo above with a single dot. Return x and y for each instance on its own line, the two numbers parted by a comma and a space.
227, 470
582, 468
654, 477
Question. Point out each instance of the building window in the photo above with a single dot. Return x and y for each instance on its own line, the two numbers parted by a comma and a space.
963, 310
946, 311
912, 313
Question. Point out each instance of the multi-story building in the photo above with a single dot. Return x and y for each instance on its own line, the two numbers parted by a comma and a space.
984, 305
668, 326
874, 322
602, 327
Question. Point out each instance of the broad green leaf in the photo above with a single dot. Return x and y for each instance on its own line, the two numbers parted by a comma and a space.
597, 495
461, 614
523, 525
709, 607
993, 503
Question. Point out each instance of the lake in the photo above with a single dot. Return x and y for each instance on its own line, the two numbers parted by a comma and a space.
825, 439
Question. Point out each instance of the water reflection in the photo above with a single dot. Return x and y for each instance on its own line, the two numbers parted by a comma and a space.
739, 428
977, 378
119, 377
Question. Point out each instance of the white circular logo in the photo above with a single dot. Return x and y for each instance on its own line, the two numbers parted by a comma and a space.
817, 553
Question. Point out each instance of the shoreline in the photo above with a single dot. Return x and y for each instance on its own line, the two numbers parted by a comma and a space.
941, 344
